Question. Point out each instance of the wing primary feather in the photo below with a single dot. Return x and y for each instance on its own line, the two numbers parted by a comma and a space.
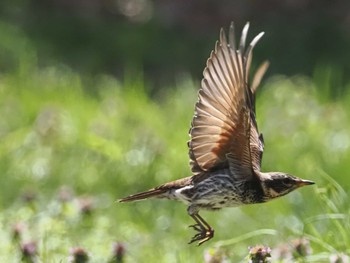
216, 78
233, 54
222, 63
211, 90
217, 102
248, 55
229, 66
252, 44
243, 38
220, 73
231, 36
259, 75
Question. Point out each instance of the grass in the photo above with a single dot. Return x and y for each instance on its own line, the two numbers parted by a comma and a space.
68, 154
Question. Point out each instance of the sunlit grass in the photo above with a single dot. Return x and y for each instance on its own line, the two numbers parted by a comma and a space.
119, 141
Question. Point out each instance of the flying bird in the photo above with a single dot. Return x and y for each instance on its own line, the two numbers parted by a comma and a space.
225, 146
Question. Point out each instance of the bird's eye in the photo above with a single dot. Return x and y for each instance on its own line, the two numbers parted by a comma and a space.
286, 182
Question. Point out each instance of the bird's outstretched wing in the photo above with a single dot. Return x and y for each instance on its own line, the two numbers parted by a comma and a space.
224, 131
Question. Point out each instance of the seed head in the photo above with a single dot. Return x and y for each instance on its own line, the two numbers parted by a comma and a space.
259, 254
118, 250
301, 247
29, 251
78, 255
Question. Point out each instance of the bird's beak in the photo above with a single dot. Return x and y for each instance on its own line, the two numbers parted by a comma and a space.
305, 182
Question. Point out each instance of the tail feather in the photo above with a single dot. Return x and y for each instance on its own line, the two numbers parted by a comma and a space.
143, 195
159, 190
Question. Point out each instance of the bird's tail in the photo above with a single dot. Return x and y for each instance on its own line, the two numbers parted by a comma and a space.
159, 190
143, 195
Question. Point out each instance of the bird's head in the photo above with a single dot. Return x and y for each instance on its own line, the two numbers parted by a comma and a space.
276, 184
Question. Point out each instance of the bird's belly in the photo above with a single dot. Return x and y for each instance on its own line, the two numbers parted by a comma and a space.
218, 192
215, 201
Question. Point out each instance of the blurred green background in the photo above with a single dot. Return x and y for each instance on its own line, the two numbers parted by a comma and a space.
96, 99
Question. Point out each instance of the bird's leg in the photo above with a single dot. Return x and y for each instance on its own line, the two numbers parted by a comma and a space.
205, 232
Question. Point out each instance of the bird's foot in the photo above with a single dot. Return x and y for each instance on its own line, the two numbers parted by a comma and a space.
203, 234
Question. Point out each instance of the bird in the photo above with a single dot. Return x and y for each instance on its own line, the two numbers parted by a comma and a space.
225, 146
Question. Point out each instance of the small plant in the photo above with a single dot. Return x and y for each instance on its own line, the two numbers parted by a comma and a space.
78, 255
118, 253
259, 254
29, 252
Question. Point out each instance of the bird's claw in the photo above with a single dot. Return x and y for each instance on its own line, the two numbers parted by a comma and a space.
197, 227
203, 235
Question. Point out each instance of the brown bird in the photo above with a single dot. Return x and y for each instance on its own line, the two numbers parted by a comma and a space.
225, 148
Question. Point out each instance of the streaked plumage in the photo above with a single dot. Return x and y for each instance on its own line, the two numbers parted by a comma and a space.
225, 148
